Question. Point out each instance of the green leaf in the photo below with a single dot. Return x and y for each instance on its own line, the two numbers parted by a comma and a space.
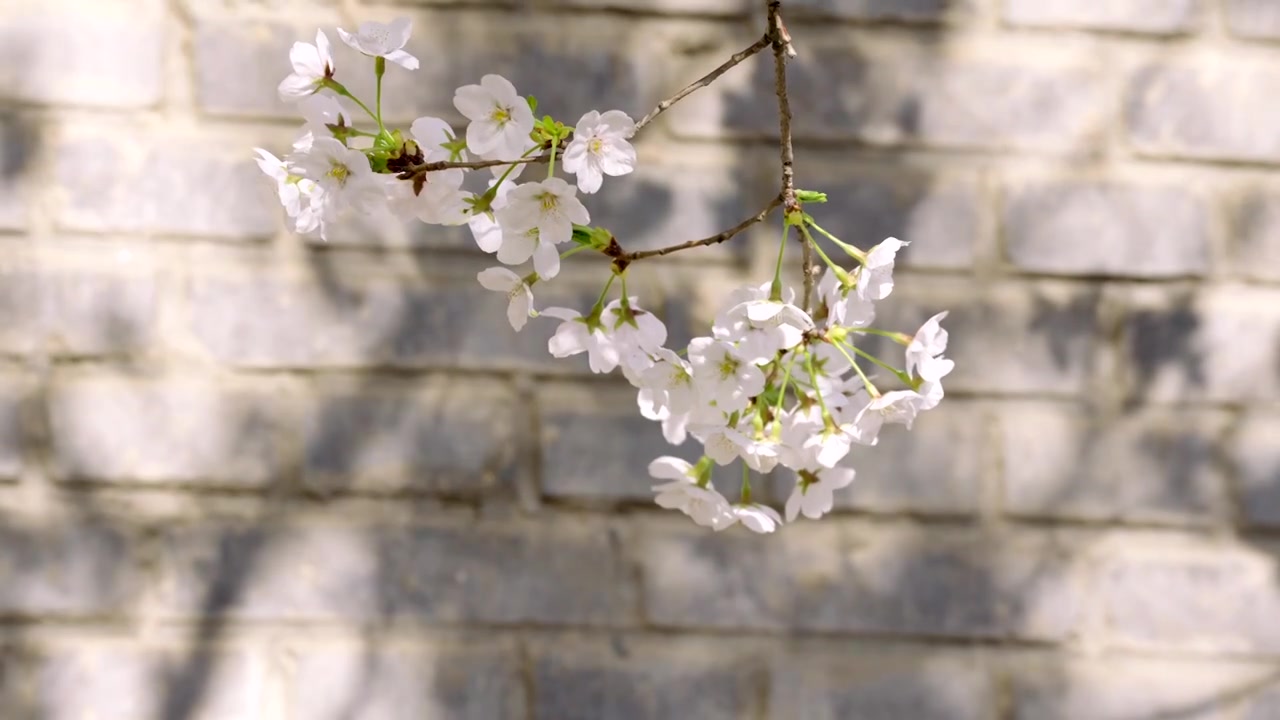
533, 103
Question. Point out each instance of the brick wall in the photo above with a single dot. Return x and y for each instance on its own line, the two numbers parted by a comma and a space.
244, 475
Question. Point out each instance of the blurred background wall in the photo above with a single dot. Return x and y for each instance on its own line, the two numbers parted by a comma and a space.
247, 475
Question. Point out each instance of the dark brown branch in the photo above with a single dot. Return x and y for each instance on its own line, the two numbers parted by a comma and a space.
781, 41
705, 80
469, 165
626, 258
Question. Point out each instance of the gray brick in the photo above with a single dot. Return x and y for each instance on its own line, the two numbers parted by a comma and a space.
19, 142
596, 445
239, 63
16, 679
84, 314
123, 682
124, 181
879, 683
477, 679
104, 54
635, 678
669, 200
667, 7
171, 430
874, 10
13, 210
1163, 17
443, 434
87, 569
1218, 111
1257, 457
111, 682
381, 228
1222, 343
1264, 705
76, 313
909, 96
1213, 600
1151, 465
12, 400
1256, 236
1005, 338
591, 49
814, 577
1086, 228
933, 468
553, 572
1113, 688
1254, 18
268, 322
938, 216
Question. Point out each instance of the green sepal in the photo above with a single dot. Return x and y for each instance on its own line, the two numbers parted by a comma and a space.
596, 238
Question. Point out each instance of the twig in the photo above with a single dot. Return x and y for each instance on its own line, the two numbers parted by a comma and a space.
705, 80
470, 164
781, 41
626, 258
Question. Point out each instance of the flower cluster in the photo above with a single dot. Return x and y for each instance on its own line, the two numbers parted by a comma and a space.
775, 383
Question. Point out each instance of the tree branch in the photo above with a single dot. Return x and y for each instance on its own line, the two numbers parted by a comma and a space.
705, 80
662, 107
782, 49
626, 258
469, 165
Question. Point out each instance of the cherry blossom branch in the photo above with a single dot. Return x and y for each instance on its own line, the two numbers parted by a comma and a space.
782, 49
705, 80
623, 259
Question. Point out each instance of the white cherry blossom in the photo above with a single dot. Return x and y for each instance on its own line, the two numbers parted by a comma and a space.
845, 308
669, 381
319, 111
924, 353
551, 206
383, 40
574, 337
344, 177
637, 334
432, 134
599, 147
722, 444
312, 65
519, 294
761, 328
723, 376
899, 407
500, 119
518, 245
300, 197
757, 518
484, 226
440, 201
875, 277
704, 505
813, 495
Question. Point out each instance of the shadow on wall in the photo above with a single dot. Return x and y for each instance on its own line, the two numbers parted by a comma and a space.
949, 579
